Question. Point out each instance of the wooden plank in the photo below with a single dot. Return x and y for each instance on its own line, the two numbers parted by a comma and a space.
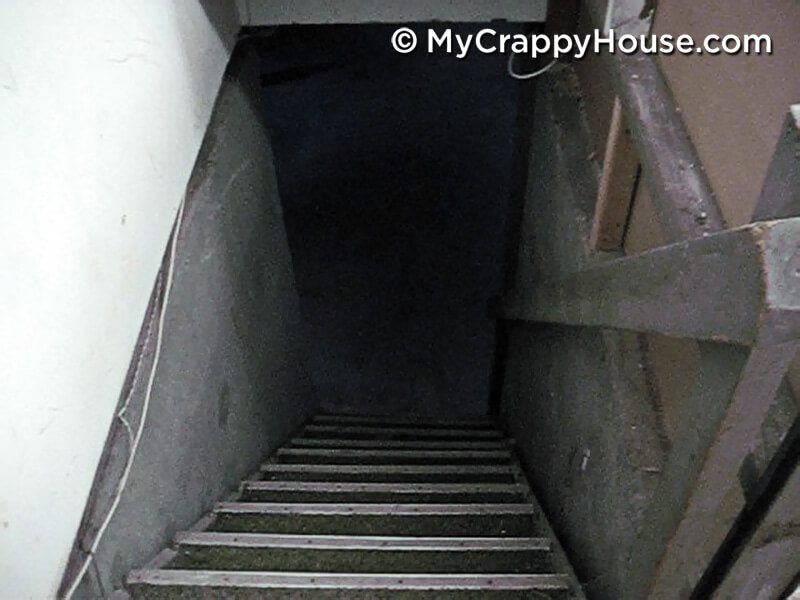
617, 185
780, 194
736, 286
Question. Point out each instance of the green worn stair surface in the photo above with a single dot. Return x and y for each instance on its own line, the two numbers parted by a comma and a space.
372, 507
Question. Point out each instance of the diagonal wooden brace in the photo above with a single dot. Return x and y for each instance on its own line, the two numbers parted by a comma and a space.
740, 286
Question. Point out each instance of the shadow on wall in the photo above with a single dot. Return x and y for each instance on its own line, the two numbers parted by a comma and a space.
230, 384
394, 174
223, 19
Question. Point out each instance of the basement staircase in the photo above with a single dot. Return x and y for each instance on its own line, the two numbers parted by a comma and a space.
372, 508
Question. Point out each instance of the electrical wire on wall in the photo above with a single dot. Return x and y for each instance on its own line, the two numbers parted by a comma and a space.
135, 438
533, 74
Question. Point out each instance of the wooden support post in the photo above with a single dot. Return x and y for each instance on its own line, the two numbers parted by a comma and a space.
617, 186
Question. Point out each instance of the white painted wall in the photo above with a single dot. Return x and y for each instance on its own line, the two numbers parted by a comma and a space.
103, 105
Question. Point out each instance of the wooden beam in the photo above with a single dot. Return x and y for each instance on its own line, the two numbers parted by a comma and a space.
780, 194
771, 559
678, 185
717, 496
736, 286
617, 185
681, 193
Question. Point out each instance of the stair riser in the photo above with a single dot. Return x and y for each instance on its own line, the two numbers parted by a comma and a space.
417, 498
417, 525
400, 435
360, 561
392, 423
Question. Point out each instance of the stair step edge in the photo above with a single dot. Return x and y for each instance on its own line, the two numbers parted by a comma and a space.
344, 581
355, 542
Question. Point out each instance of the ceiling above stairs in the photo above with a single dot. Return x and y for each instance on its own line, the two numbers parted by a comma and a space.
284, 12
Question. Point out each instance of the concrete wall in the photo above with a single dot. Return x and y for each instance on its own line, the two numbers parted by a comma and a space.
230, 385
103, 105
577, 400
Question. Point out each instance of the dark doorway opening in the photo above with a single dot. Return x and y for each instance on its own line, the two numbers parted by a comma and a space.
394, 173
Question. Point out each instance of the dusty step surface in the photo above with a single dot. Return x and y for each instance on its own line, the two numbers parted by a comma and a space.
364, 554
163, 584
445, 473
355, 443
345, 456
372, 508
461, 520
448, 493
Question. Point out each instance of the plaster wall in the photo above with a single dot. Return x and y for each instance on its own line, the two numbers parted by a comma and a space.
103, 106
